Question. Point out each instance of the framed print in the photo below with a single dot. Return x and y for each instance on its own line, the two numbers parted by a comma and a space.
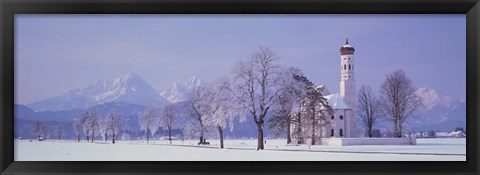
274, 87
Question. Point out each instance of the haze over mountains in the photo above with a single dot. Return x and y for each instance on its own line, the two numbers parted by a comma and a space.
178, 92
129, 94
128, 88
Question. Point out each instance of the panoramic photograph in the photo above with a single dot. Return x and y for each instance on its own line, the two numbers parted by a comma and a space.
174, 87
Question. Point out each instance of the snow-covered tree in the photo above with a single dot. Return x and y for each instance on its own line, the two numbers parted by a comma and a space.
78, 126
368, 108
168, 119
148, 121
85, 128
40, 129
315, 109
113, 123
197, 109
399, 101
92, 124
288, 103
220, 110
59, 131
253, 86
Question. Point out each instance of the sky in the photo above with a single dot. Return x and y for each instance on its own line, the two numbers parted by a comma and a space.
55, 53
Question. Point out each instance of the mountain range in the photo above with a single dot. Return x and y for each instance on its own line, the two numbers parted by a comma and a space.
129, 94
441, 113
178, 92
128, 88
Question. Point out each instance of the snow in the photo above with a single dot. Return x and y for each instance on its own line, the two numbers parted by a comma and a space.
448, 149
128, 88
336, 102
178, 92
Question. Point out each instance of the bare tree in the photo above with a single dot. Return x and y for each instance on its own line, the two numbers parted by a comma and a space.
44, 130
399, 101
221, 111
82, 122
148, 121
254, 87
92, 124
78, 127
287, 103
113, 124
59, 131
168, 119
368, 108
40, 129
197, 110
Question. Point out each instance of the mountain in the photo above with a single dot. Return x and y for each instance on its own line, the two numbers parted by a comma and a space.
128, 88
178, 92
441, 113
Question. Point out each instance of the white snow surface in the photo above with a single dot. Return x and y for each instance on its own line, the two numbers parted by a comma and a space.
448, 149
336, 102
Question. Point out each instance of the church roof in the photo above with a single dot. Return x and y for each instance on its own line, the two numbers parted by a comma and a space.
336, 102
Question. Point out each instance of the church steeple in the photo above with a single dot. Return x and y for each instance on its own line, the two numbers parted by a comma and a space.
348, 84
346, 40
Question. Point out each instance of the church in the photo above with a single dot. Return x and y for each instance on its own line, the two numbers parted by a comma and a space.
342, 124
339, 129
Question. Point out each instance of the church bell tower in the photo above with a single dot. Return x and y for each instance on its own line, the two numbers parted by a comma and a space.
347, 84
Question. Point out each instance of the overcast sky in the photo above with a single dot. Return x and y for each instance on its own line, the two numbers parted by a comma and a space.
54, 53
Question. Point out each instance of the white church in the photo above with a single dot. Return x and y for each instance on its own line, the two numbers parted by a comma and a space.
340, 128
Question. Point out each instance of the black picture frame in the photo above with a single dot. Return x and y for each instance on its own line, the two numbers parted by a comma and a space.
8, 9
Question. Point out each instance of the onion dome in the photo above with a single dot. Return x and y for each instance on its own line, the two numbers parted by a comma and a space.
347, 49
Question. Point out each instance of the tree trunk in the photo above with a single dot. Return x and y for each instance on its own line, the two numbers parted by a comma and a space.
170, 135
93, 136
88, 138
106, 137
369, 131
201, 139
260, 145
220, 131
313, 128
113, 138
78, 137
148, 134
289, 138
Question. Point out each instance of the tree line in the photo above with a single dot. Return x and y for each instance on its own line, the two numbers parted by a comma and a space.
257, 86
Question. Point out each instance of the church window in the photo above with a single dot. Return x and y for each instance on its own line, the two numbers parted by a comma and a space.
341, 117
332, 133
345, 66
349, 66
333, 117
341, 132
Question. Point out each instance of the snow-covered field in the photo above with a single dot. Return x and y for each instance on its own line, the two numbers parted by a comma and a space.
236, 150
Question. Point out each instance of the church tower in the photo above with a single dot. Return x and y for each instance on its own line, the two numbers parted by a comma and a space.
347, 85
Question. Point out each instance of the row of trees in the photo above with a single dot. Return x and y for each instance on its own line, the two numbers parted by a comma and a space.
258, 86
91, 125
41, 129
396, 103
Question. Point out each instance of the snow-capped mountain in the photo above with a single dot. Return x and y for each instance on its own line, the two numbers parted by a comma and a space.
431, 98
128, 88
441, 113
178, 92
